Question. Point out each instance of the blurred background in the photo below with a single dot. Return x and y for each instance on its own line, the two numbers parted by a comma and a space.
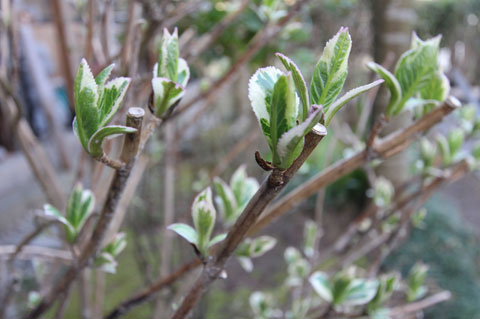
41, 44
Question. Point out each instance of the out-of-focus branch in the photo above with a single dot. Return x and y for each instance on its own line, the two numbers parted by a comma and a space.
129, 153
260, 39
402, 311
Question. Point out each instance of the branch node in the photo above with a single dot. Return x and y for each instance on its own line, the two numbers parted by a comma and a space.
265, 165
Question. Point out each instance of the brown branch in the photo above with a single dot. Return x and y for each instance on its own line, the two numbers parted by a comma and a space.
269, 189
396, 140
402, 311
61, 26
30, 252
129, 153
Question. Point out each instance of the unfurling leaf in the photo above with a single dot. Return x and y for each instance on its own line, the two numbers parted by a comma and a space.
331, 70
260, 245
203, 214
416, 278
337, 105
170, 76
392, 84
106, 259
95, 104
383, 192
227, 199
322, 286
428, 151
186, 231
300, 85
95, 142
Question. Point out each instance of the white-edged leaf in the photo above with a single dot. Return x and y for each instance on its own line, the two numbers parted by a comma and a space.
229, 202
51, 211
300, 85
310, 233
215, 240
360, 292
203, 214
183, 72
321, 285
186, 231
260, 245
260, 91
289, 141
95, 142
347, 97
166, 94
331, 70
392, 84
103, 76
246, 263
437, 88
111, 98
167, 66
444, 147
237, 183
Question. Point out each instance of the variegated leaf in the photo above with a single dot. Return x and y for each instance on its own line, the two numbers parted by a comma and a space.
300, 85
288, 143
437, 88
260, 91
51, 211
215, 240
183, 72
337, 105
103, 76
203, 214
168, 56
229, 202
261, 245
95, 142
111, 98
283, 113
321, 285
331, 70
392, 83
166, 94
186, 231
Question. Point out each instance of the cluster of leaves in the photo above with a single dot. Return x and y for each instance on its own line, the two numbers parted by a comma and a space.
106, 259
170, 76
96, 102
416, 278
80, 205
203, 215
449, 147
418, 80
233, 198
383, 192
287, 110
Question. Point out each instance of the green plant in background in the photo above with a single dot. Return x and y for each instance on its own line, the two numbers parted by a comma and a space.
106, 259
281, 100
383, 192
415, 282
310, 237
80, 205
96, 102
170, 76
263, 306
450, 146
343, 289
386, 285
203, 215
417, 79
233, 198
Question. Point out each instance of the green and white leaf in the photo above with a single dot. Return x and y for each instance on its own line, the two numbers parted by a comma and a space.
95, 142
321, 285
186, 231
167, 66
283, 115
51, 211
310, 232
300, 85
444, 147
337, 105
260, 91
392, 84
111, 98
215, 240
166, 94
455, 138
331, 70
116, 245
437, 88
260, 245
229, 202
183, 72
203, 214
103, 76
360, 292
291, 142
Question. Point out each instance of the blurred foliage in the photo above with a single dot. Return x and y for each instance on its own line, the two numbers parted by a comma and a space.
453, 262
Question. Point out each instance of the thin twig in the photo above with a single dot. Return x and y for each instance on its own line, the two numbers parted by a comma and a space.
129, 153
402, 311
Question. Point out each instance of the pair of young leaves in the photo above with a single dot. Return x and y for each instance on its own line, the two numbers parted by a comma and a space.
97, 101
418, 79
287, 110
